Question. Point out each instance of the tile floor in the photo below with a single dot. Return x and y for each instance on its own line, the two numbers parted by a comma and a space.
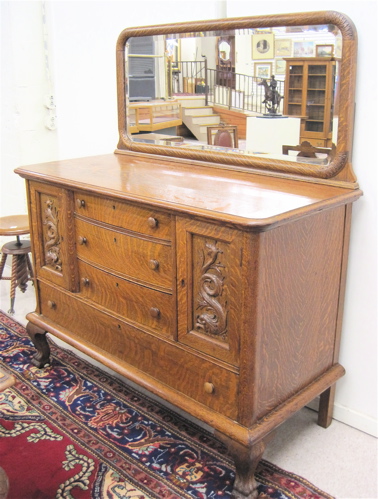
339, 460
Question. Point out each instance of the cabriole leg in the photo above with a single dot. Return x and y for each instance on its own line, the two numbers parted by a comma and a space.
246, 459
38, 337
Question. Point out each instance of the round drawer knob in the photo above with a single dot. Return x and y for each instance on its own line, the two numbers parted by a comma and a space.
51, 304
153, 264
154, 312
82, 240
80, 203
208, 387
85, 281
152, 222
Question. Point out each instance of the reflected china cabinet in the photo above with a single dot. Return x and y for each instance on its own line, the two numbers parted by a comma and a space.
213, 279
309, 93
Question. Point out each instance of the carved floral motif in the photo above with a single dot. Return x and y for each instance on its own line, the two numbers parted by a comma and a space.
212, 315
52, 238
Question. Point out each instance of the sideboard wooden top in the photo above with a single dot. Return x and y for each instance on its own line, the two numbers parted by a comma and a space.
254, 202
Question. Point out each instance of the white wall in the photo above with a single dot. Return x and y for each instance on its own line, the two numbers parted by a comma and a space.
81, 38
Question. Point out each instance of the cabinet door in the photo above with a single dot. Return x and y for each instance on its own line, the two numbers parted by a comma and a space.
210, 292
293, 103
52, 230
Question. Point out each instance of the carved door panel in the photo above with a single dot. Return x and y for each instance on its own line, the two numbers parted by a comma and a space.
52, 231
209, 290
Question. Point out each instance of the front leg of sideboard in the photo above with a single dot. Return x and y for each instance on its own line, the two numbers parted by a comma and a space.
246, 459
38, 337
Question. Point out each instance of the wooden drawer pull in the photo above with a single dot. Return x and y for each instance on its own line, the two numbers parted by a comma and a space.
51, 304
80, 203
209, 387
153, 264
154, 312
152, 222
85, 281
82, 240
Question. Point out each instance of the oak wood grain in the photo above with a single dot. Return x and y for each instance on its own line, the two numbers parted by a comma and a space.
136, 303
125, 253
161, 359
135, 218
242, 199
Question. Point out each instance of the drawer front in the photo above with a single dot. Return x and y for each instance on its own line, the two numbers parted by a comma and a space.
143, 220
148, 307
203, 381
138, 258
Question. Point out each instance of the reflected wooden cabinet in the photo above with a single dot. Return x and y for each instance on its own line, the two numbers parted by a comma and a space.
310, 94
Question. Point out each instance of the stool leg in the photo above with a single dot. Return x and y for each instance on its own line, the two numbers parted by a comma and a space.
30, 267
22, 272
2, 264
13, 284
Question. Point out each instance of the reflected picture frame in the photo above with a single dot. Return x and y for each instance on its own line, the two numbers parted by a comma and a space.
263, 46
304, 49
263, 70
280, 68
325, 51
173, 52
283, 47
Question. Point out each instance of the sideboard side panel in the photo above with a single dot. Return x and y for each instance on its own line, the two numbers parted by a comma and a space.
298, 294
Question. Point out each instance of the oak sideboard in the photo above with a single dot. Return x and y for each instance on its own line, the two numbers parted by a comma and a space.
215, 284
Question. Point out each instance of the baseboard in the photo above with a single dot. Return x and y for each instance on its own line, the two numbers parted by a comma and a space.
356, 419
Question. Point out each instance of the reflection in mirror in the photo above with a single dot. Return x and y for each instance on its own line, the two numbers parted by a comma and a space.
224, 50
277, 87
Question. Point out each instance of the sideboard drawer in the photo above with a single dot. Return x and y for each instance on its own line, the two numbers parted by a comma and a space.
148, 307
199, 379
138, 258
143, 220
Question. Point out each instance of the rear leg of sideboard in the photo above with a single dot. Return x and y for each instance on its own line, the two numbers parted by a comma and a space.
327, 399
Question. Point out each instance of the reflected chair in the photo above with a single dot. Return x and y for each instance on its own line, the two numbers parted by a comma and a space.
22, 272
223, 136
307, 150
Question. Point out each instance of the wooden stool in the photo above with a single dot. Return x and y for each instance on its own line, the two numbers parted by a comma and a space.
22, 271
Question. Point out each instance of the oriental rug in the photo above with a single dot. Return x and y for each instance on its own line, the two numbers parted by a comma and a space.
73, 431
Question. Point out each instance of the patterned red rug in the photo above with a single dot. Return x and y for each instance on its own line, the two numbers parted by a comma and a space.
73, 431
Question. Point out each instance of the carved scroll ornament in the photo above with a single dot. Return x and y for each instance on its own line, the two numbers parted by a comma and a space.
52, 238
211, 318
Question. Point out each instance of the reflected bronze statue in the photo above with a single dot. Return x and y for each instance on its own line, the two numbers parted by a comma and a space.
272, 96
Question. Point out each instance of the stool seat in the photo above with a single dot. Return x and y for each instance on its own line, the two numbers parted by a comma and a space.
22, 272
16, 248
14, 225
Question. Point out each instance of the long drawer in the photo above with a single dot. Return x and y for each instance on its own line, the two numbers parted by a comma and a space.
119, 213
199, 379
139, 258
148, 307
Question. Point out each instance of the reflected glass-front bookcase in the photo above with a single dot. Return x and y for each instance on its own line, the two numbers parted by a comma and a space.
309, 93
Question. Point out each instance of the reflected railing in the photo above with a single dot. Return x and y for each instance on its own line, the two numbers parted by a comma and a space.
220, 87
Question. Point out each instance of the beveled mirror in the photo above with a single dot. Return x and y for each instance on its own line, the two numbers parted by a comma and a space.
283, 84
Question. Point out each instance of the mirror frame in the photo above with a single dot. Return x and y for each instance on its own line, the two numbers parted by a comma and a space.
339, 169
